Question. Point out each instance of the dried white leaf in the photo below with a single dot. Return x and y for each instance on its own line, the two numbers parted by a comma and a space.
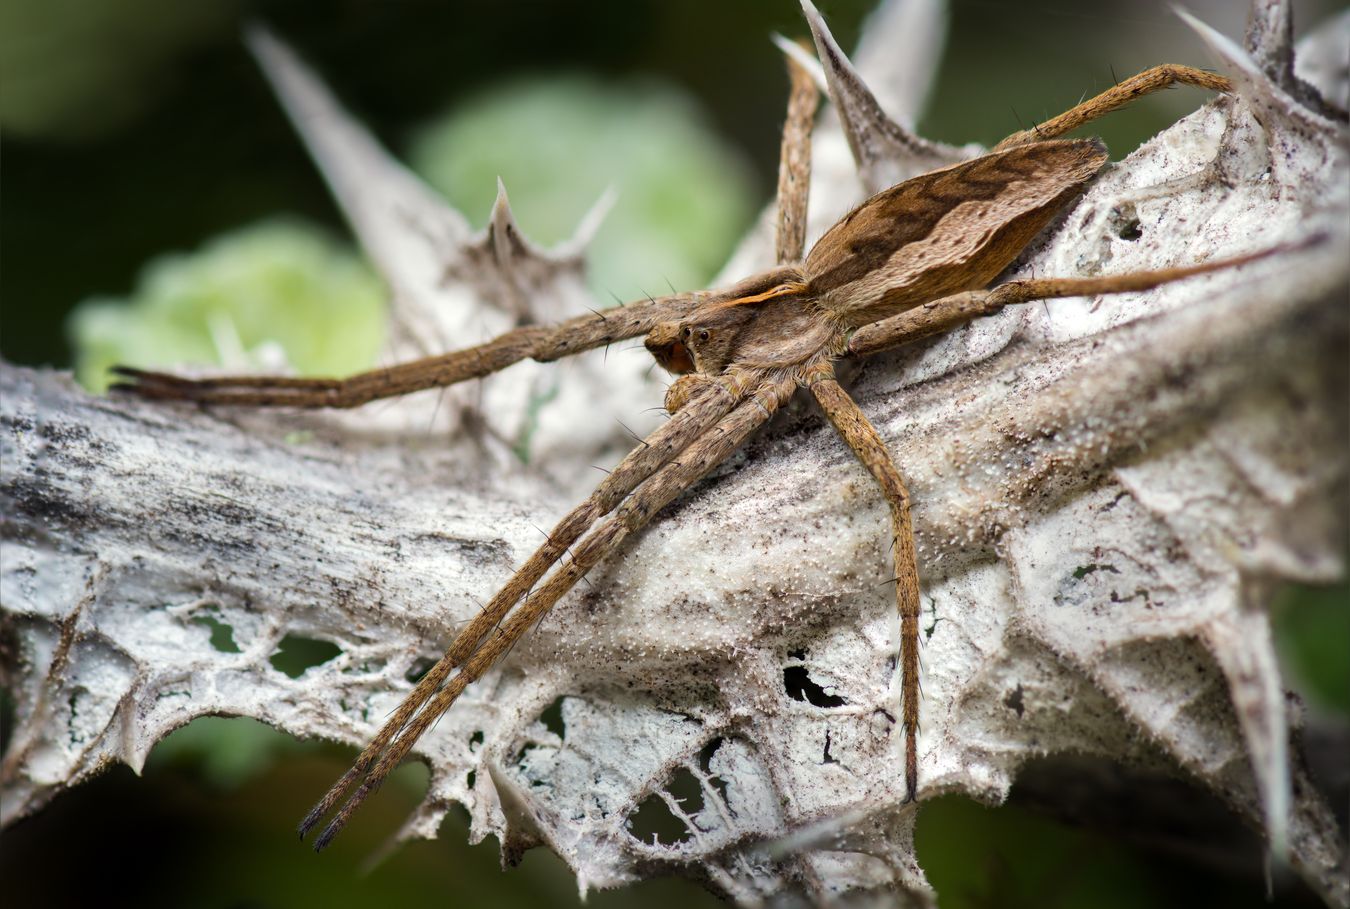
1105, 489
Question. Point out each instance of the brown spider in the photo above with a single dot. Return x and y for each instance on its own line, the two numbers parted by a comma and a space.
912, 261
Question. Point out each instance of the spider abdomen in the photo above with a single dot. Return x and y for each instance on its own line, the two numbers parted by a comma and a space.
947, 231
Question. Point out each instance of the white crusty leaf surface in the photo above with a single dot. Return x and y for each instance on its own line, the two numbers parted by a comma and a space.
1105, 490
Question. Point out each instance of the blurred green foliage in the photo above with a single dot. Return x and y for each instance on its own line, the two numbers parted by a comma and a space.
225, 752
980, 857
73, 70
210, 833
1312, 632
559, 143
240, 302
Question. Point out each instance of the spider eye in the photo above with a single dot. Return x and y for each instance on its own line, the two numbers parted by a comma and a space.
703, 335
688, 331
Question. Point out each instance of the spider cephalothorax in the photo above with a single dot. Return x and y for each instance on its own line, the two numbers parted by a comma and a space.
738, 326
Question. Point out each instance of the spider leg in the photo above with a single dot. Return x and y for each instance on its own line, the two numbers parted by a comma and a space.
1147, 82
859, 434
680, 470
794, 165
703, 410
537, 342
942, 315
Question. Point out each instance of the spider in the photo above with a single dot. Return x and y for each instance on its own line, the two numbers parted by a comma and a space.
912, 261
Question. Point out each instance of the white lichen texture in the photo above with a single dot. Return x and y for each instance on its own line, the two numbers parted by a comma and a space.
1106, 491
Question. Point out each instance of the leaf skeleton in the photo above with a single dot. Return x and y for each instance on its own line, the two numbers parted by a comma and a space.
912, 261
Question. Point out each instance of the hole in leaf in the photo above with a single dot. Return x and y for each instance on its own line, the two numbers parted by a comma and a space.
829, 758
653, 822
475, 740
222, 634
927, 632
420, 667
1130, 230
7, 711
471, 778
705, 757
685, 789
73, 702
552, 718
1083, 571
1015, 700
522, 757
705, 754
797, 682
296, 655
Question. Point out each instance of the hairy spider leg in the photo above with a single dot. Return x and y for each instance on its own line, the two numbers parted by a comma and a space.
537, 342
712, 403
794, 165
1150, 80
942, 315
862, 437
653, 494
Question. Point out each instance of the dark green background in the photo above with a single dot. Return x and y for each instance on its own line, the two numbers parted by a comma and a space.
181, 140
